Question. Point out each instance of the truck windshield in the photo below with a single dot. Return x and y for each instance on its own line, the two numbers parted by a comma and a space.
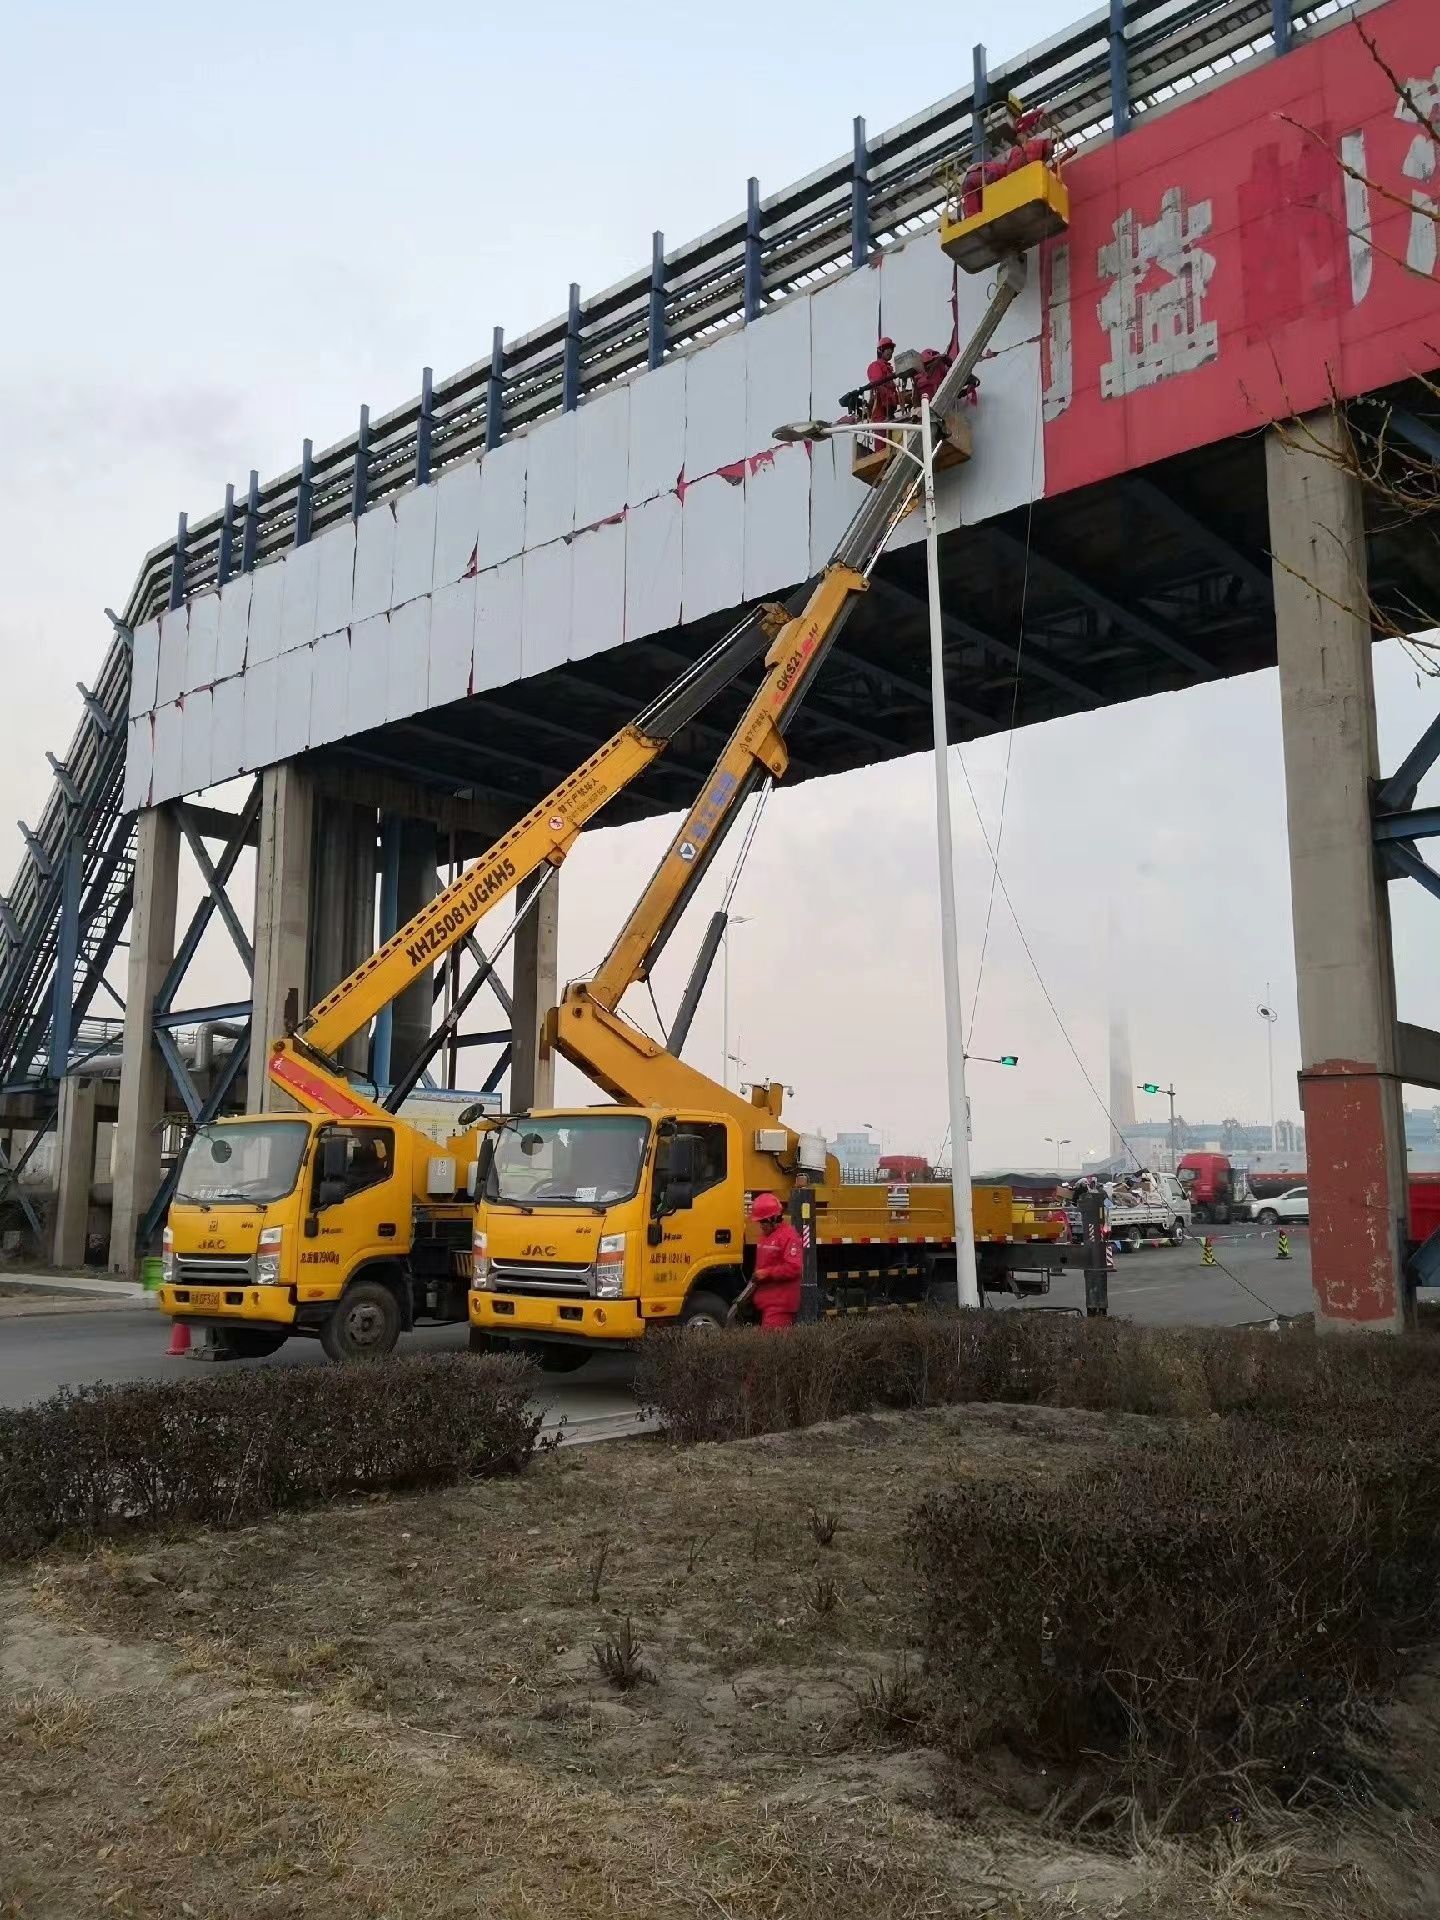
590, 1159
254, 1163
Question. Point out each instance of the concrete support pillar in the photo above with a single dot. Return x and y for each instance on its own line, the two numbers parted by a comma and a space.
414, 1008
142, 1070
75, 1169
342, 906
282, 920
536, 990
1350, 1089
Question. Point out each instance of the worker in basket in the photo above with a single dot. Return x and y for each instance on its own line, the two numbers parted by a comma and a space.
774, 1287
1021, 138
881, 380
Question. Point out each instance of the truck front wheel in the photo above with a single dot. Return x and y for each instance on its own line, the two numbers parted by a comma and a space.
704, 1312
251, 1343
365, 1324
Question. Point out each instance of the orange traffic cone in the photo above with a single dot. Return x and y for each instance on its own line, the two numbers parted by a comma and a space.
179, 1338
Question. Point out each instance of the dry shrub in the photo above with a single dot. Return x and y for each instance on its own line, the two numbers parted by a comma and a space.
727, 1386
95, 1460
1193, 1622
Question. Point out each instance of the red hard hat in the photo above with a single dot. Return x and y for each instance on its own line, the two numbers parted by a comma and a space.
927, 354
765, 1207
886, 341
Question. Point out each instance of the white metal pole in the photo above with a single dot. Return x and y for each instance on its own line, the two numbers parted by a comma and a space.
966, 1284
1270, 1059
725, 1017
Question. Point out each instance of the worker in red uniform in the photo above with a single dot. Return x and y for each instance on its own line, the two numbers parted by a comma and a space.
934, 366
881, 378
779, 1260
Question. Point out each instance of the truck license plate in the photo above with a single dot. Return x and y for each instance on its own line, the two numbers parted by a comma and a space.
207, 1297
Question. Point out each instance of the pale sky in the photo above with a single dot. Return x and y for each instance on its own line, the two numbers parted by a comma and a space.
222, 233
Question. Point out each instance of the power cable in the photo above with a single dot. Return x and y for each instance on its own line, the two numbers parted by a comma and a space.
1014, 708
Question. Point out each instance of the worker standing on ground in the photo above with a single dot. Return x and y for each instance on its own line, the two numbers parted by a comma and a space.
779, 1260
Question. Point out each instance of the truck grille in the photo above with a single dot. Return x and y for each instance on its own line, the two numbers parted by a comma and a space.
212, 1270
538, 1276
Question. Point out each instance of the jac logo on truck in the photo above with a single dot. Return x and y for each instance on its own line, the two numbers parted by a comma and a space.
476, 894
537, 1252
328, 1259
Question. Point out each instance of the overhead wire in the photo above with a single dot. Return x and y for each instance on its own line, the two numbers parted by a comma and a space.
1014, 707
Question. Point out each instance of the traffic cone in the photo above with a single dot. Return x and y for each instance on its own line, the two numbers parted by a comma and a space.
179, 1338
1207, 1252
1282, 1245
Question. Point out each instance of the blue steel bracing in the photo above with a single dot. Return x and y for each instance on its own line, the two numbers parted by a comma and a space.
67, 907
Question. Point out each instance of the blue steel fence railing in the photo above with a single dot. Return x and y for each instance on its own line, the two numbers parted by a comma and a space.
1104, 74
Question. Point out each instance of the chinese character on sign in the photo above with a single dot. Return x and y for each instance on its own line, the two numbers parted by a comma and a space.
1420, 105
1152, 309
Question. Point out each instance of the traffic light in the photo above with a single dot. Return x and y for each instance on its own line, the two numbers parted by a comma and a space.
1149, 1087
1009, 1059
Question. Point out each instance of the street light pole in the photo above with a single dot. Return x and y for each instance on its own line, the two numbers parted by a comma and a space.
1269, 1016
735, 920
966, 1281
1057, 1144
967, 1285
1152, 1086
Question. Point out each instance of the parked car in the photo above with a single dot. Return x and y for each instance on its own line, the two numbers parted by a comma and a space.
1282, 1207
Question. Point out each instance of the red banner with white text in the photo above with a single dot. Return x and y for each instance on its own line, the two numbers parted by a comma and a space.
1237, 258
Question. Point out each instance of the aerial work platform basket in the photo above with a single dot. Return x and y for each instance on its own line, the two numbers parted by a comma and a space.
871, 453
1013, 201
1016, 212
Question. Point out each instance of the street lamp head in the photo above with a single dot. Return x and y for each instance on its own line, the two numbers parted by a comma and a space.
1267, 1013
800, 430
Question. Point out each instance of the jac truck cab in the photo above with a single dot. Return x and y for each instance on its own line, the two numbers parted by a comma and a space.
590, 1225
595, 1224
346, 1231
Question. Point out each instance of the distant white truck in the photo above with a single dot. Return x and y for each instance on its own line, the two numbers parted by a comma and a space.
1164, 1217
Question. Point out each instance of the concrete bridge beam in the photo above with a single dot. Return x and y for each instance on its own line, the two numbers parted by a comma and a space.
282, 920
75, 1164
342, 906
142, 1069
536, 990
1349, 1084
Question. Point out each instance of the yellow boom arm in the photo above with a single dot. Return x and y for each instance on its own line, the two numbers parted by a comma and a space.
588, 1028
303, 1063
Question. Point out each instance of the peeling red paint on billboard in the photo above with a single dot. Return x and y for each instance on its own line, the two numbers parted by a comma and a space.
1223, 268
1353, 1246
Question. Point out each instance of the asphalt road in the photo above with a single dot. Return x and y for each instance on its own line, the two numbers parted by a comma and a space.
1161, 1285
1171, 1286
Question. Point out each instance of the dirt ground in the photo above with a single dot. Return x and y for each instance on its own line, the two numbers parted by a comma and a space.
394, 1708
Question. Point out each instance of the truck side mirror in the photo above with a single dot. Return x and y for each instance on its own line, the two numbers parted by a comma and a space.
334, 1161
330, 1194
676, 1190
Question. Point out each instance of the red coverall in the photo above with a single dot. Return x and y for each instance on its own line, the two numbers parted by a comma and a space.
779, 1255
883, 396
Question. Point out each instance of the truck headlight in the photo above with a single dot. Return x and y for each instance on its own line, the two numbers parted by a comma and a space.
479, 1261
267, 1260
167, 1258
610, 1266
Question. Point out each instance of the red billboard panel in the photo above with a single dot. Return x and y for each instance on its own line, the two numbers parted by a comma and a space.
1237, 258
